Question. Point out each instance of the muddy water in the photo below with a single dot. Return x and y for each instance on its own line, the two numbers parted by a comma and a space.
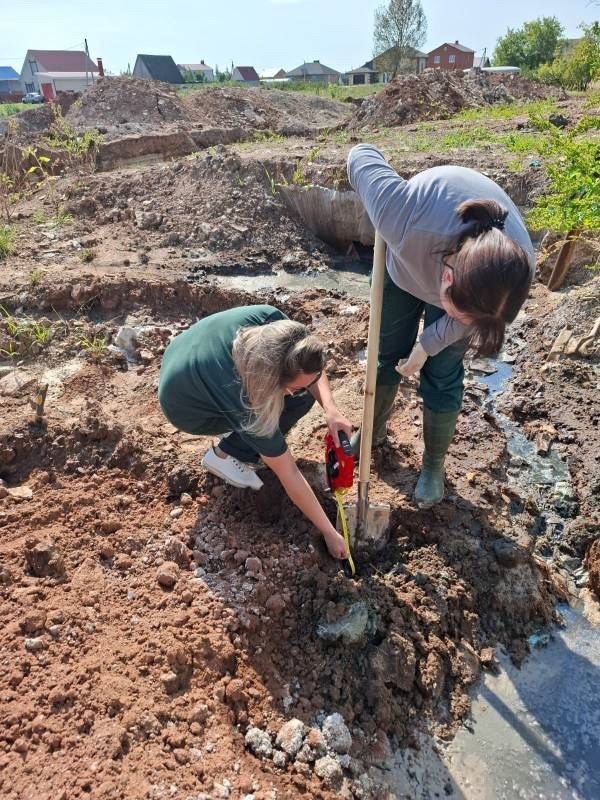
534, 732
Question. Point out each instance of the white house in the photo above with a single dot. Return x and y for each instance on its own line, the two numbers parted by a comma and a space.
51, 71
201, 69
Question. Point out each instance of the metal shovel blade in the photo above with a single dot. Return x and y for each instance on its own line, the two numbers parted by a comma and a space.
375, 535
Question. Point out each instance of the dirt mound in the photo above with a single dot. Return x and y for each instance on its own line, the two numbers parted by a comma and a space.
261, 109
127, 101
222, 212
128, 105
435, 94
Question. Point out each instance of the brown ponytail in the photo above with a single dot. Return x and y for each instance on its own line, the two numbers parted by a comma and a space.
491, 273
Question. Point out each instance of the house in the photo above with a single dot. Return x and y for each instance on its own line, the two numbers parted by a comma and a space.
200, 69
381, 68
481, 62
247, 75
272, 74
315, 72
451, 56
10, 84
53, 71
157, 68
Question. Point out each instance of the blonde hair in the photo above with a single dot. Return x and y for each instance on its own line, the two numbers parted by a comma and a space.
267, 358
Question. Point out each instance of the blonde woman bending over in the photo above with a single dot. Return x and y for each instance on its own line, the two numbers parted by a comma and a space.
251, 373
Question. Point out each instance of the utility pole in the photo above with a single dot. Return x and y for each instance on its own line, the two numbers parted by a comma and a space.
87, 54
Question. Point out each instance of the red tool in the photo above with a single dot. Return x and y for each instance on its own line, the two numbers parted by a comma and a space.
339, 462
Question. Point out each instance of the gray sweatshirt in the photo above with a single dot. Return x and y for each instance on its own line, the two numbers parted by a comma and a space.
418, 220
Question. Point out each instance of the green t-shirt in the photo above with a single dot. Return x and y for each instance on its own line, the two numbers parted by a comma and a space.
199, 383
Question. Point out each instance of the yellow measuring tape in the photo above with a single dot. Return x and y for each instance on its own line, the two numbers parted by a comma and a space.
339, 495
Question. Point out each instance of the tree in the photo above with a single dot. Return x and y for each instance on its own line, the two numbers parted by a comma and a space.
530, 46
399, 26
577, 69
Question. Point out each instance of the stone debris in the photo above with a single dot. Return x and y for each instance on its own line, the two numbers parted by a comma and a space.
289, 738
336, 734
167, 574
350, 629
329, 770
259, 743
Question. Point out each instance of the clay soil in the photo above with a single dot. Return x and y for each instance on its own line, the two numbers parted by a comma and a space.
151, 614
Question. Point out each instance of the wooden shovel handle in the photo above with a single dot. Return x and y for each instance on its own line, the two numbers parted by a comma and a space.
366, 434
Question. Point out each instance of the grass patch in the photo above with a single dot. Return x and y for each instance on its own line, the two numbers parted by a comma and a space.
35, 276
23, 332
268, 136
506, 111
87, 255
94, 345
467, 137
9, 109
7, 241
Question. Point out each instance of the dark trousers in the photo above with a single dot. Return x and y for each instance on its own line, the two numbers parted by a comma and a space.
238, 446
441, 378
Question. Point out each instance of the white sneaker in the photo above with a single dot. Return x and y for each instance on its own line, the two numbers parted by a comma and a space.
232, 471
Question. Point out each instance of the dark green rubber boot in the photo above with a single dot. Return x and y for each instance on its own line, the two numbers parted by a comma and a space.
438, 430
384, 403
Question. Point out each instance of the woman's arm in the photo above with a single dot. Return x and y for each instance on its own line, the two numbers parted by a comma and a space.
336, 421
300, 493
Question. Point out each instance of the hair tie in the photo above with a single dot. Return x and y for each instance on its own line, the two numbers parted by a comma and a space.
497, 222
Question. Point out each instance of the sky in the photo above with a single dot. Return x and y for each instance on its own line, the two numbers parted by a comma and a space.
259, 33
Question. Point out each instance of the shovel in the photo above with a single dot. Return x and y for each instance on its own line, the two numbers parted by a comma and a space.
368, 522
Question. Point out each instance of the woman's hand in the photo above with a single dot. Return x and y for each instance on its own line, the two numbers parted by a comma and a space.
337, 422
413, 363
336, 545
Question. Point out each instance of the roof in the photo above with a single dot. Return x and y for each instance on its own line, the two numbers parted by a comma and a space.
411, 53
481, 61
271, 72
8, 74
361, 71
248, 73
195, 67
63, 60
161, 68
311, 68
455, 45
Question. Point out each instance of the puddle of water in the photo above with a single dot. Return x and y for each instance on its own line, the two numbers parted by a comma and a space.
528, 468
352, 281
536, 731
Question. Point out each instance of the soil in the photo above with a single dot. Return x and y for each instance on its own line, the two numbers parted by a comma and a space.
436, 94
161, 628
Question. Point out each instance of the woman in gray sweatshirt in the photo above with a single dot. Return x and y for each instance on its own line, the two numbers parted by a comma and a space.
458, 253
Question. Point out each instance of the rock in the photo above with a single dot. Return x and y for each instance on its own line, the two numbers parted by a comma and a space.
146, 356
200, 713
181, 479
35, 644
558, 120
148, 220
33, 621
316, 741
350, 629
234, 692
20, 493
336, 734
253, 566
275, 605
328, 769
126, 341
290, 736
167, 574
279, 759
487, 656
394, 661
259, 743
176, 551
44, 559
170, 681
186, 499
